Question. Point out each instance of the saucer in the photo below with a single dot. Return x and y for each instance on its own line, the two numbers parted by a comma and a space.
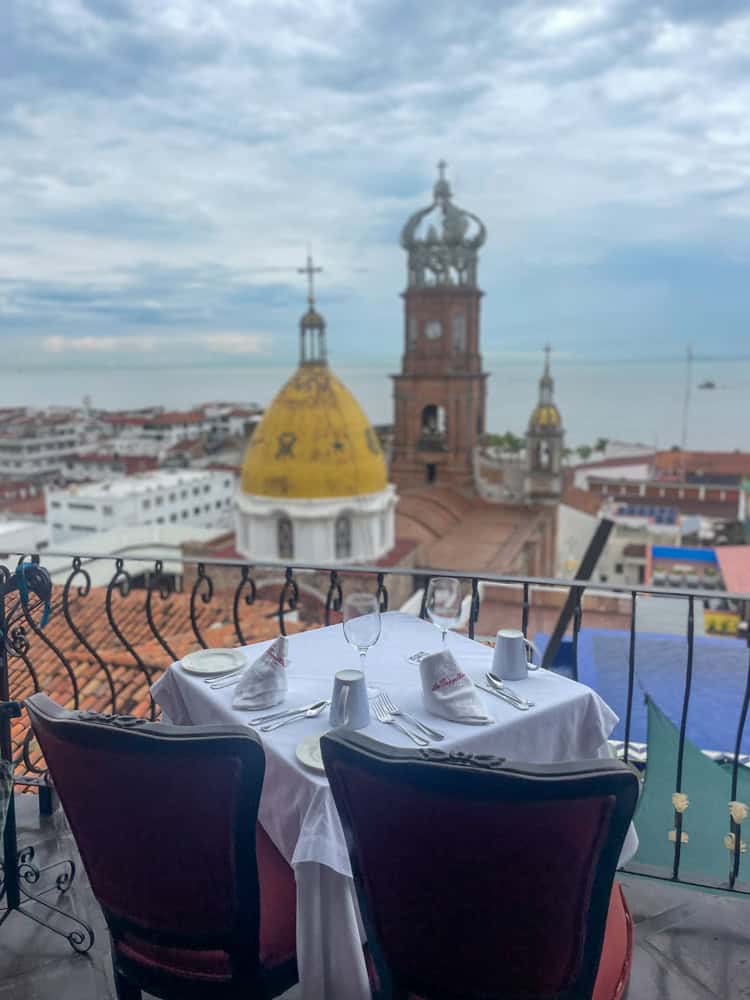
308, 753
212, 662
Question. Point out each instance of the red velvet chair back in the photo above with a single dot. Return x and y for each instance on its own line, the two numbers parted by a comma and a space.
164, 819
479, 878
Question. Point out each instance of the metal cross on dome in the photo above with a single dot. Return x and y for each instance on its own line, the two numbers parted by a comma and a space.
310, 271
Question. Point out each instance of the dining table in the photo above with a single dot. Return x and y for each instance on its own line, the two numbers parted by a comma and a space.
568, 722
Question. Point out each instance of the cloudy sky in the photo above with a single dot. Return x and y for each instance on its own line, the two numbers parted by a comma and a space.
164, 165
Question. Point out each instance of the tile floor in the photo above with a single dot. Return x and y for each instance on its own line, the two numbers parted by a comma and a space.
689, 945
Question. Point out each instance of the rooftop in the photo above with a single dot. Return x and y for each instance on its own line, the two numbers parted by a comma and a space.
140, 483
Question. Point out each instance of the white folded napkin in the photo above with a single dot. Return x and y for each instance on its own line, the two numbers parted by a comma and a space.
264, 682
448, 692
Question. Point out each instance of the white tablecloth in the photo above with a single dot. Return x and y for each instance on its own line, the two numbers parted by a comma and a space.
568, 722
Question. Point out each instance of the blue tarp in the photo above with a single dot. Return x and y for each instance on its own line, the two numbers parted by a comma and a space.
720, 670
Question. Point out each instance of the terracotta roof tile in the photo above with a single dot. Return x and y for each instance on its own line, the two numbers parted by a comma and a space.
57, 658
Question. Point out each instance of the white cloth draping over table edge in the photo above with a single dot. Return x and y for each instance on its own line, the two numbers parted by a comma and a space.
569, 722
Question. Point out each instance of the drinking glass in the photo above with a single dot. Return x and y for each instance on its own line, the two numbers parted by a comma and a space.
444, 602
362, 626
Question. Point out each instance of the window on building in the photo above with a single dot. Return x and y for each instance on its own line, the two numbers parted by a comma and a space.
172, 497
107, 510
185, 514
146, 504
159, 501
196, 491
160, 520
343, 536
618, 567
173, 518
285, 538
458, 330
184, 494
411, 336
196, 510
217, 505
227, 502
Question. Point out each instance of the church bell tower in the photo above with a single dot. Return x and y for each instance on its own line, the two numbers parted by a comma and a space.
439, 396
545, 440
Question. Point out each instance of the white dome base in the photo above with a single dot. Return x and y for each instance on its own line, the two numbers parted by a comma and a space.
319, 531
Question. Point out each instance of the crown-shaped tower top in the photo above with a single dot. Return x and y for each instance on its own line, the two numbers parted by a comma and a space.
446, 255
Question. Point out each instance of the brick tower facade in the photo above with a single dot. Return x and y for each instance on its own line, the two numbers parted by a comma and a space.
439, 396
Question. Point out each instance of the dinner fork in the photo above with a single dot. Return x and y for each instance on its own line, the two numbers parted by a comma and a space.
384, 716
389, 706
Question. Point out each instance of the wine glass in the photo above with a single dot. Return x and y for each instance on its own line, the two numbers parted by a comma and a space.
444, 602
362, 626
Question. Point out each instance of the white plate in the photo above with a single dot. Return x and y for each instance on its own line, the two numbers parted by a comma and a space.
308, 753
212, 662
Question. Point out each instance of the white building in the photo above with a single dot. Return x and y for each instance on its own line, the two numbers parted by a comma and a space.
22, 537
623, 560
39, 443
197, 497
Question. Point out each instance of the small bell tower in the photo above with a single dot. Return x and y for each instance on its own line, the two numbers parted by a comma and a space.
312, 326
544, 444
439, 395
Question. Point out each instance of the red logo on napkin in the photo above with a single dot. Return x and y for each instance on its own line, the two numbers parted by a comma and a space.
448, 681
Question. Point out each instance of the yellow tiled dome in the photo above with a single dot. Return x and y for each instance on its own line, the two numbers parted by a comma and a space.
314, 441
545, 415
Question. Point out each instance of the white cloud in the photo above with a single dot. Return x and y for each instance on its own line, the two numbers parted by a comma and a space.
219, 343
100, 344
195, 138
233, 343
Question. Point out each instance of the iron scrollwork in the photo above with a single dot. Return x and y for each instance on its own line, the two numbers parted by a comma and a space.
474, 610
203, 587
83, 591
288, 598
246, 581
157, 582
382, 594
334, 597
122, 582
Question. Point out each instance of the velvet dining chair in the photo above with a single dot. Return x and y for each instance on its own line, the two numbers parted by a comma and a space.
480, 879
199, 903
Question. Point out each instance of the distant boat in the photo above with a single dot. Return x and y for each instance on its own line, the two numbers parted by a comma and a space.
708, 384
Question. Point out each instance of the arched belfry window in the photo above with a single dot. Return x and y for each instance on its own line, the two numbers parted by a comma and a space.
343, 536
285, 538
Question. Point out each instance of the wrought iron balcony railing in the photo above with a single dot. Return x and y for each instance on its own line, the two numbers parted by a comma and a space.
118, 623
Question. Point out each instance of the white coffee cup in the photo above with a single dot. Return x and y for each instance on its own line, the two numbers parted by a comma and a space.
510, 660
350, 708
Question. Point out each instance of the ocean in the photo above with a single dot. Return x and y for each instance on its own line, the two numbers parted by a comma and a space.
635, 401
